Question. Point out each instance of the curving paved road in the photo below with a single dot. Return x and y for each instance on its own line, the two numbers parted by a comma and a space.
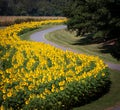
40, 37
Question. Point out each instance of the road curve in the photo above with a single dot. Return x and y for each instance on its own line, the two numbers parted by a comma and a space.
40, 37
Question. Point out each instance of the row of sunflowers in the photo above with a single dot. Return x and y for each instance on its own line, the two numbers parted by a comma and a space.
39, 76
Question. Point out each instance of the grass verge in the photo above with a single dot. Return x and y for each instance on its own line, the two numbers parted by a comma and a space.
26, 36
67, 39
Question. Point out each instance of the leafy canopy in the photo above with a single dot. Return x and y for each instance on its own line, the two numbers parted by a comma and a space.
94, 16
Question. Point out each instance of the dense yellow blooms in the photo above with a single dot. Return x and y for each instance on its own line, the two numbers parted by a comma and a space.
34, 65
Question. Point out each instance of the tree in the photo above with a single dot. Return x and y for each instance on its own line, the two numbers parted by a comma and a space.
94, 16
99, 17
3, 7
32, 7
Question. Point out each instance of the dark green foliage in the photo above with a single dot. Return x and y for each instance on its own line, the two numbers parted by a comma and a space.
32, 7
34, 66
6, 63
16, 102
1, 100
93, 16
49, 62
98, 17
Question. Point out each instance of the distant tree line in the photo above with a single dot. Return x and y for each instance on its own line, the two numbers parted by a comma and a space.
32, 7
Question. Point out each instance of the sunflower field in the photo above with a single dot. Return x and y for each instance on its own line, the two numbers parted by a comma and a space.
38, 76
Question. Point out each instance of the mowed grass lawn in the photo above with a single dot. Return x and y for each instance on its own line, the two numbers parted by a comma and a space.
65, 38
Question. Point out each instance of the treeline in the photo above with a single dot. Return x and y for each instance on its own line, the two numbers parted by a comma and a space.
101, 17
98, 18
32, 7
